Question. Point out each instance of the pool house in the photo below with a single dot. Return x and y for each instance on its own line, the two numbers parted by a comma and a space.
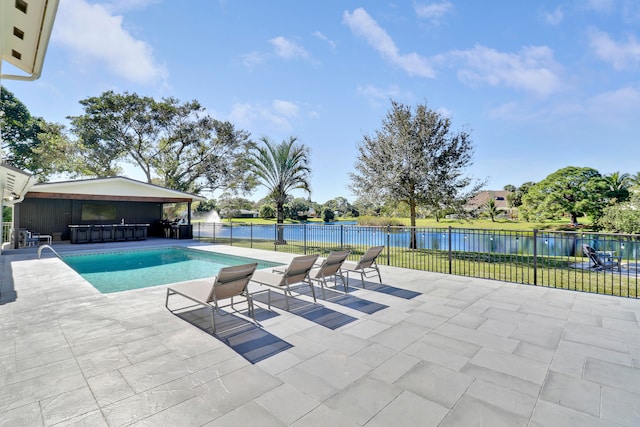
99, 210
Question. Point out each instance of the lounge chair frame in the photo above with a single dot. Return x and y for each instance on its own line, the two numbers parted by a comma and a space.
599, 263
297, 272
330, 268
366, 266
230, 282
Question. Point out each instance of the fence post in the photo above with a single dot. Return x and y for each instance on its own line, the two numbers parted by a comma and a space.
388, 245
251, 235
231, 234
535, 256
304, 233
450, 253
214, 232
341, 235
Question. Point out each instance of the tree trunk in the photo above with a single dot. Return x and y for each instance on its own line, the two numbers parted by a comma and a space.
279, 227
413, 244
574, 218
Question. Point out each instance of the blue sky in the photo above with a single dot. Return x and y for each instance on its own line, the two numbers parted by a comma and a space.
540, 85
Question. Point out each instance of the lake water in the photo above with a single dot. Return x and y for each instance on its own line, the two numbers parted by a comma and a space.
470, 240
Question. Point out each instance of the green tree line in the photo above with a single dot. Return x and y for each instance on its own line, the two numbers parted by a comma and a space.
414, 165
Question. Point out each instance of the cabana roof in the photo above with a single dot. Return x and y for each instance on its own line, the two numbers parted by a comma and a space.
113, 188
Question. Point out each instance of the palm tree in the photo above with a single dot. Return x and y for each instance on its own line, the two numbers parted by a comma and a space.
491, 210
617, 181
618, 186
281, 168
634, 180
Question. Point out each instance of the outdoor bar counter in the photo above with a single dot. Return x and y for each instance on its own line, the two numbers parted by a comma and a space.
108, 232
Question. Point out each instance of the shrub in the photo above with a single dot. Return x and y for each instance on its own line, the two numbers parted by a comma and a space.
267, 212
328, 215
379, 221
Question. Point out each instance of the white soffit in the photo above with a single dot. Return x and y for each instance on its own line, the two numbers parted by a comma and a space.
114, 186
26, 28
14, 184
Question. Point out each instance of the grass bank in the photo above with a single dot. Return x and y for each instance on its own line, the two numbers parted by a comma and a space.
561, 224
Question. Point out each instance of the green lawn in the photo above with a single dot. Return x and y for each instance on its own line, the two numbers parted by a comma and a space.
498, 224
561, 224
555, 272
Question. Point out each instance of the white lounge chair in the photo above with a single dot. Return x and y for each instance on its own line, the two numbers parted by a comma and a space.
296, 272
366, 265
230, 282
330, 267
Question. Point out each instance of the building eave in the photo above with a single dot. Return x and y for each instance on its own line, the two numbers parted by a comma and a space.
26, 29
112, 188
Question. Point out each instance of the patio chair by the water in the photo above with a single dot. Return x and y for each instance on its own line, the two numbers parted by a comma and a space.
31, 238
366, 266
296, 273
330, 268
230, 282
599, 261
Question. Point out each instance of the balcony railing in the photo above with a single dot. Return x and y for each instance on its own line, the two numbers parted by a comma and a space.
542, 258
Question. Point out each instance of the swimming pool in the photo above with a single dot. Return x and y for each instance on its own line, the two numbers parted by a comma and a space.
134, 269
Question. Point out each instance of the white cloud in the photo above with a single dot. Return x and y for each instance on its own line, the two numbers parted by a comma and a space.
608, 108
631, 11
621, 55
276, 117
378, 96
434, 11
620, 104
600, 5
92, 34
379, 93
364, 26
555, 17
322, 37
252, 59
445, 112
115, 6
285, 108
287, 49
532, 69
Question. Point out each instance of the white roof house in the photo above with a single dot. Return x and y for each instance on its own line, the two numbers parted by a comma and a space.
59, 208
115, 188
25, 29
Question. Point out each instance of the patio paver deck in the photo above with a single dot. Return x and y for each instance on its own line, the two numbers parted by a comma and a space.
464, 352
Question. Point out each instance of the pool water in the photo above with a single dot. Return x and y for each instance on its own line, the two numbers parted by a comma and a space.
125, 270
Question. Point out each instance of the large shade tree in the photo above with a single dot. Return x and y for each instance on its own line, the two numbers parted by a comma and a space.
197, 152
181, 144
30, 143
115, 127
575, 191
415, 158
515, 199
281, 168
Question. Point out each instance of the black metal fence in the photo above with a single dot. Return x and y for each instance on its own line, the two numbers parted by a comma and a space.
543, 258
